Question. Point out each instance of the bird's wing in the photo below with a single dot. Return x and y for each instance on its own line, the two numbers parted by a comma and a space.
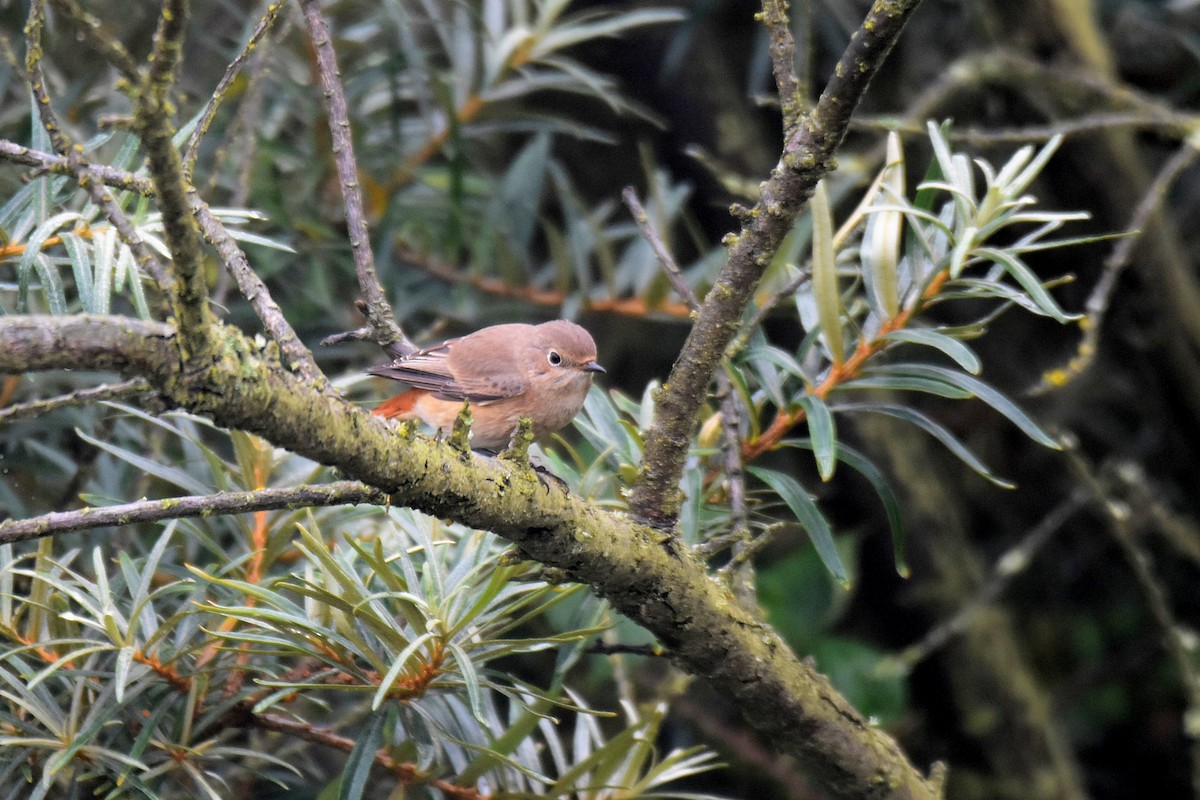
474, 368
427, 369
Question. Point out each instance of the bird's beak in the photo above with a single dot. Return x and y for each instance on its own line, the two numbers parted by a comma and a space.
591, 366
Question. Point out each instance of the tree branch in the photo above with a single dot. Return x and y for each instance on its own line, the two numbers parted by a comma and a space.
192, 148
731, 413
406, 773
295, 352
96, 394
808, 155
152, 109
782, 50
58, 165
330, 494
665, 590
387, 334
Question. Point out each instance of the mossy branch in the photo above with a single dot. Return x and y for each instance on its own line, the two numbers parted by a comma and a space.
152, 122
663, 589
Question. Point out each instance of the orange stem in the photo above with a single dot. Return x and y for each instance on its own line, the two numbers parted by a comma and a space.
839, 374
9, 251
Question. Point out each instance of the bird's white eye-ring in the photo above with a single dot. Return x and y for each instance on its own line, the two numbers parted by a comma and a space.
554, 358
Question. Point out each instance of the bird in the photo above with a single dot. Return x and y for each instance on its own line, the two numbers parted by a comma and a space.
505, 372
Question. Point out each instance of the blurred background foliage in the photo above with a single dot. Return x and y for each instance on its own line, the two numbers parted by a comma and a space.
493, 141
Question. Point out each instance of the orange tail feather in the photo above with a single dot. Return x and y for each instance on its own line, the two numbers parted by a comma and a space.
399, 406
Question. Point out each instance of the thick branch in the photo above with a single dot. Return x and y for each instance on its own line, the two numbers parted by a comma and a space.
807, 157
665, 590
133, 347
330, 494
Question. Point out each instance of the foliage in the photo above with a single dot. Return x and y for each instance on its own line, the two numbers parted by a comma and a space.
274, 650
391, 623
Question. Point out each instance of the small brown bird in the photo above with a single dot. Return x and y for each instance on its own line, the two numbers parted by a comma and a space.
506, 372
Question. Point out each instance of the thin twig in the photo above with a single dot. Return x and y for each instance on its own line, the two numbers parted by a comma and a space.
1014, 561
1102, 293
785, 293
297, 356
665, 259
95, 394
1180, 531
192, 148
388, 334
601, 648
782, 50
58, 165
107, 46
329, 494
719, 542
731, 444
407, 774
1180, 643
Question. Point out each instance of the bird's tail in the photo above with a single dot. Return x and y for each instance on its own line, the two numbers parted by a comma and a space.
399, 406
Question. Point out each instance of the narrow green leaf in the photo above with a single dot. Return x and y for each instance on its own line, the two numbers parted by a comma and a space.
962, 251
891, 504
121, 672
1028, 281
151, 467
362, 758
952, 347
1021, 182
809, 516
105, 253
778, 357
824, 434
988, 394
471, 682
824, 274
883, 236
937, 431
504, 744
886, 378
399, 663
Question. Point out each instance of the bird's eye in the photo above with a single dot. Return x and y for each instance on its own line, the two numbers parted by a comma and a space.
554, 358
